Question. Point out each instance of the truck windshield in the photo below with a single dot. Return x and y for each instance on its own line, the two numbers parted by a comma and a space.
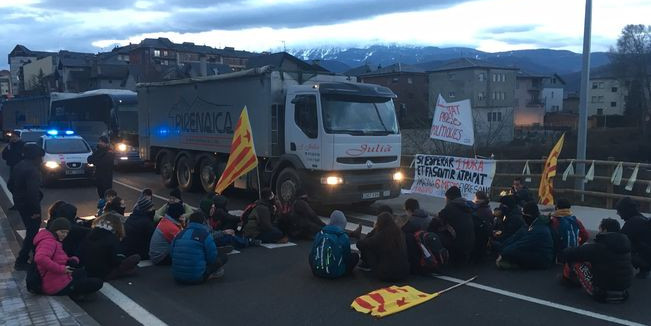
66, 146
357, 115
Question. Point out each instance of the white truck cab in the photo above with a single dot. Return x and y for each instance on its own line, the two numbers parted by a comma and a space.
66, 156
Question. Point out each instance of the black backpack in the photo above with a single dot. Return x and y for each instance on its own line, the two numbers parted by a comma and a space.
433, 254
33, 280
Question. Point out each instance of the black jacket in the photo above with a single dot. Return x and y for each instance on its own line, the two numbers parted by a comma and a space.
103, 160
386, 253
610, 257
458, 214
100, 253
260, 220
638, 230
138, 229
76, 235
13, 153
510, 223
523, 196
24, 184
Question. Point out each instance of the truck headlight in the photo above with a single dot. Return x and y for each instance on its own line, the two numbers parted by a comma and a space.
398, 176
91, 165
332, 180
122, 147
51, 165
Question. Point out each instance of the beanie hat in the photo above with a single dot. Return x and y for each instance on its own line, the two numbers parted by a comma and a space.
144, 204
176, 193
175, 210
453, 193
60, 223
32, 151
337, 218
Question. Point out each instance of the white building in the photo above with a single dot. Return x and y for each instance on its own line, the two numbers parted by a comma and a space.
552, 93
607, 96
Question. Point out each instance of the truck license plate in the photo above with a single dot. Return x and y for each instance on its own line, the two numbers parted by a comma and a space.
371, 195
74, 172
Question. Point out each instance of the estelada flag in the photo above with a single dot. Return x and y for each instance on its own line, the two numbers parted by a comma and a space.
387, 301
242, 158
546, 188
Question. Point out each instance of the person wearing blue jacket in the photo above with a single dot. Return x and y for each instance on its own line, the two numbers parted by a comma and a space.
337, 227
194, 254
529, 248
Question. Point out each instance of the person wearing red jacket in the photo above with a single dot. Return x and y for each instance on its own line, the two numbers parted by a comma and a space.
59, 272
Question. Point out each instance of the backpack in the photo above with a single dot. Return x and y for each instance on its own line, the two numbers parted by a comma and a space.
244, 218
433, 254
33, 280
327, 256
568, 232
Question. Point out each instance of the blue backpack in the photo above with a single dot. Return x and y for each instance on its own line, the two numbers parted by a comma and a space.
327, 255
568, 232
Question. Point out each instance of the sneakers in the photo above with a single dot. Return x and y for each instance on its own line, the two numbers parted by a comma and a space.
225, 249
218, 274
363, 266
357, 233
21, 266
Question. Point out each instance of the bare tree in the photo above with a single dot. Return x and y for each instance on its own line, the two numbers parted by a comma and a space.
490, 133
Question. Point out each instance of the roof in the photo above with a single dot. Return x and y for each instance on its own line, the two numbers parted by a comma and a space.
75, 59
393, 69
21, 50
468, 63
110, 71
165, 43
278, 59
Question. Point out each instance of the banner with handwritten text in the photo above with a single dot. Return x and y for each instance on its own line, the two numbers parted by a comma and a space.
434, 175
452, 122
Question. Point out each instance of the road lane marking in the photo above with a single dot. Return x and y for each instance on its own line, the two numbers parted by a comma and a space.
4, 187
140, 190
277, 245
134, 310
542, 302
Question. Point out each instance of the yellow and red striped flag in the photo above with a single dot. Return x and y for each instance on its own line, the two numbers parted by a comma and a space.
546, 188
242, 158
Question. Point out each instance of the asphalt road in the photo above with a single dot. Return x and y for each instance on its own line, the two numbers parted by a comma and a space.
275, 286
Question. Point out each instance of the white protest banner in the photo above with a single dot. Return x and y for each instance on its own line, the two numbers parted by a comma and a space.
452, 122
435, 174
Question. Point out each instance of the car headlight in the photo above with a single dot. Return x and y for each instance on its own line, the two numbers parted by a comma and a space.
51, 165
332, 180
122, 147
398, 176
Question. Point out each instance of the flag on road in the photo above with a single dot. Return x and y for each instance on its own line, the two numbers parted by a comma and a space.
242, 158
546, 189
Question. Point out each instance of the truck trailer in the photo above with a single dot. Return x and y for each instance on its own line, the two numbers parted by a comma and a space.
22, 112
337, 139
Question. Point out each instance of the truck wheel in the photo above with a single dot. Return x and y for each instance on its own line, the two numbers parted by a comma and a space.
207, 175
167, 171
184, 174
287, 184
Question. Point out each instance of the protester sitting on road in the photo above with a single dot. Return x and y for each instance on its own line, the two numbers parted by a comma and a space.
385, 251
413, 248
638, 229
100, 251
331, 256
419, 218
259, 223
139, 227
603, 266
166, 230
175, 197
109, 194
59, 274
24, 184
520, 192
568, 229
215, 207
77, 232
303, 222
483, 220
529, 248
195, 257
457, 213
508, 220
116, 205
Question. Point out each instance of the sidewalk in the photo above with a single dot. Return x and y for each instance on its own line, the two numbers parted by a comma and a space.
18, 306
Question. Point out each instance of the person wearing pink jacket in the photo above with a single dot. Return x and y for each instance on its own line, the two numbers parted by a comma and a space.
60, 274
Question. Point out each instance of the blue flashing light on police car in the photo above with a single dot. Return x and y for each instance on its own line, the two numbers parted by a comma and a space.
54, 132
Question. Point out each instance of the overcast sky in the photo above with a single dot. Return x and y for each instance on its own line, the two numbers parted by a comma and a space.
263, 25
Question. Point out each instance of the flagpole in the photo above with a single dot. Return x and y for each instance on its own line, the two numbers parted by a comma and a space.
257, 173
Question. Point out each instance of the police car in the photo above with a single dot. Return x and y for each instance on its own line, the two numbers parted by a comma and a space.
66, 156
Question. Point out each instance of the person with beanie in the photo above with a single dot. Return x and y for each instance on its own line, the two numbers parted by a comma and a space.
168, 227
77, 233
103, 158
100, 251
603, 266
529, 248
508, 221
457, 213
59, 273
139, 227
261, 222
638, 229
175, 197
335, 230
24, 185
195, 257
223, 224
384, 251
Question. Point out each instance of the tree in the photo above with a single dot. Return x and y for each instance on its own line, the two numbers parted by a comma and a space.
39, 84
632, 63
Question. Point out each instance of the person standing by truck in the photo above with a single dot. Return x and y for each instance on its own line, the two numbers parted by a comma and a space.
103, 159
13, 153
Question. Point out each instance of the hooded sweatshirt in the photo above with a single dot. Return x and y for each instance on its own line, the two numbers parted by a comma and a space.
51, 262
458, 214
